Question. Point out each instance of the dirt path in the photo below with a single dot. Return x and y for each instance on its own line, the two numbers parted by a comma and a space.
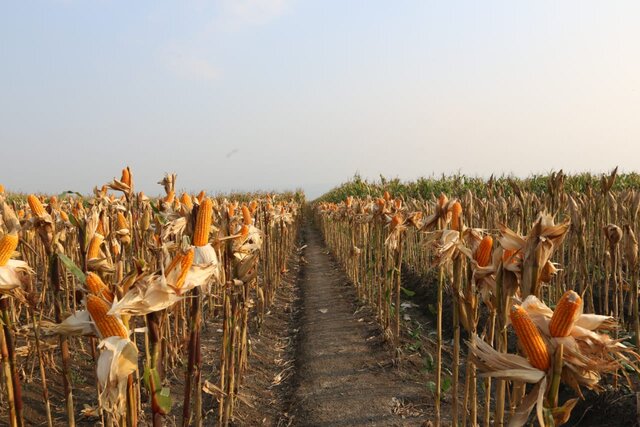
344, 373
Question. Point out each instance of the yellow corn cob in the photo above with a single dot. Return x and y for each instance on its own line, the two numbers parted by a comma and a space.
253, 206
456, 212
186, 201
508, 254
64, 216
530, 338
115, 248
174, 263
244, 232
203, 223
387, 196
94, 246
108, 326
8, 245
100, 228
36, 206
396, 221
201, 196
231, 210
246, 216
170, 196
126, 176
121, 221
186, 261
483, 253
1, 189
97, 287
565, 314
398, 203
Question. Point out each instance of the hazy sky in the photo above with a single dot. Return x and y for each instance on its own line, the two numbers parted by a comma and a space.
276, 94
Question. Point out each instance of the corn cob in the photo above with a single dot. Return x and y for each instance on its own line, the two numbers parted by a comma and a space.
456, 212
508, 254
8, 245
36, 206
398, 203
231, 210
100, 228
386, 196
121, 221
565, 314
201, 196
64, 216
530, 338
97, 287
186, 261
253, 206
244, 232
94, 246
203, 223
170, 196
1, 189
483, 253
126, 176
246, 216
107, 325
186, 201
396, 221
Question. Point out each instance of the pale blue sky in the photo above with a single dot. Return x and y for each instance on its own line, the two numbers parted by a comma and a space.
309, 92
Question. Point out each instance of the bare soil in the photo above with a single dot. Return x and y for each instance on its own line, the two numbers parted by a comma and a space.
346, 375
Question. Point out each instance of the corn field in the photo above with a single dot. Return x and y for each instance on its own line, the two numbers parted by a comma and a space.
128, 283
541, 276
116, 300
